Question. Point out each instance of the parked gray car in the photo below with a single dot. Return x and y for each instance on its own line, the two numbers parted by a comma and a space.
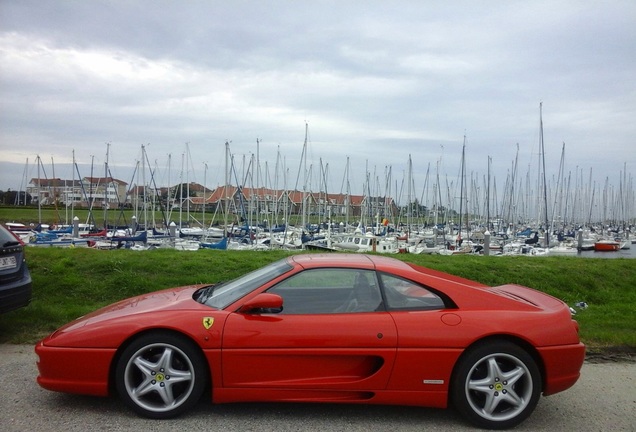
15, 279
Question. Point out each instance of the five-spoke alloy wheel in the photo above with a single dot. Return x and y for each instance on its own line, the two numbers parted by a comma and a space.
496, 385
161, 375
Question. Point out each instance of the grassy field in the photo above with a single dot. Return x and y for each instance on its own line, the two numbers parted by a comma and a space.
52, 216
68, 283
55, 216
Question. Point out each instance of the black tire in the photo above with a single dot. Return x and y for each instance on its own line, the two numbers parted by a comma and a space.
496, 385
161, 375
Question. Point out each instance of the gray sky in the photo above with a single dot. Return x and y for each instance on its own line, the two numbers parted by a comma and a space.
376, 81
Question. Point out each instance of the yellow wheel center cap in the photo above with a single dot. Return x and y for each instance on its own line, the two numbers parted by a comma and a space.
159, 377
499, 387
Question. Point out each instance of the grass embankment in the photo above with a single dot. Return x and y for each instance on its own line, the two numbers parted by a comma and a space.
52, 216
68, 283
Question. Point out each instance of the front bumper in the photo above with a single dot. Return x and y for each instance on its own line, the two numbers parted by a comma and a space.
74, 370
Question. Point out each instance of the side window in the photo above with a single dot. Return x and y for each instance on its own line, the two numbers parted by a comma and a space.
329, 290
402, 294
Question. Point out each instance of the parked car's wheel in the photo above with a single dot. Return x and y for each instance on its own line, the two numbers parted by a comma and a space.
496, 385
161, 375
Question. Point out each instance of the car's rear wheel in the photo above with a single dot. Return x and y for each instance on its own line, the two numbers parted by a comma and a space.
161, 375
496, 385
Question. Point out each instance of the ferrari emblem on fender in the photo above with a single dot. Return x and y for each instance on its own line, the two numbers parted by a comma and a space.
207, 322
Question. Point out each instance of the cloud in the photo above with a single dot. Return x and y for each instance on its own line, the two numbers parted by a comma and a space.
375, 81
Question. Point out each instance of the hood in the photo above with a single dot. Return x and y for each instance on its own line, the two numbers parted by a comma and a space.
128, 312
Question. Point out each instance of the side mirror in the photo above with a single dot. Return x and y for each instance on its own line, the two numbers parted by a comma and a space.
264, 302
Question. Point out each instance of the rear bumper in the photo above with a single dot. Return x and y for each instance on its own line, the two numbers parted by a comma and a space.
562, 366
16, 295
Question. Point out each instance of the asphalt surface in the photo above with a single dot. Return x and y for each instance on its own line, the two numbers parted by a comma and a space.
604, 399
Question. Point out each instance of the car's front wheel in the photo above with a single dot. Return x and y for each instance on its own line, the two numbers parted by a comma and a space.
496, 385
161, 375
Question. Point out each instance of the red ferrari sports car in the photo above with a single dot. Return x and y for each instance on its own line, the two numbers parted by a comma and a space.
335, 328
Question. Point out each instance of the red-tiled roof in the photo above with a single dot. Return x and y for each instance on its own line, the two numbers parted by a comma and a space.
103, 180
221, 193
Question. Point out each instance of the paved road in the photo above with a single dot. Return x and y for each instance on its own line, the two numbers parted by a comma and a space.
603, 400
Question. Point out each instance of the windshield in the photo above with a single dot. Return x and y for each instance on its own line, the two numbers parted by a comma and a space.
7, 238
222, 295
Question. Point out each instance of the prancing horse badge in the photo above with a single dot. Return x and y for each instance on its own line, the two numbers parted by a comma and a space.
207, 322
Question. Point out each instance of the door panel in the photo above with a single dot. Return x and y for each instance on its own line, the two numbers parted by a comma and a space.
348, 350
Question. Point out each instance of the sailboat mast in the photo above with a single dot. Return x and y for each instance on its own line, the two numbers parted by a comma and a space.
23, 184
278, 195
462, 181
145, 189
188, 165
106, 185
488, 196
181, 193
72, 188
347, 193
38, 161
304, 205
409, 199
545, 185
258, 178
227, 182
